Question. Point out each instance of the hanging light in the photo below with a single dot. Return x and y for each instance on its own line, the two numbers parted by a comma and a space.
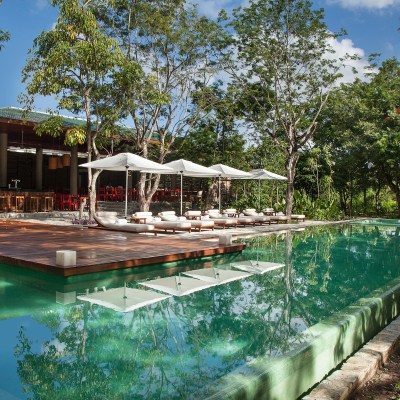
52, 162
59, 162
66, 160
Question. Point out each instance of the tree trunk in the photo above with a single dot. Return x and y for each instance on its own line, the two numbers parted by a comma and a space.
291, 161
365, 200
147, 188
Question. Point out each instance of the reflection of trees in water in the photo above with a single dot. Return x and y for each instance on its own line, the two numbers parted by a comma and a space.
163, 351
174, 348
331, 267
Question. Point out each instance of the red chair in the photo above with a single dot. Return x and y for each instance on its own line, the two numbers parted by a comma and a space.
101, 194
73, 202
110, 193
58, 201
119, 194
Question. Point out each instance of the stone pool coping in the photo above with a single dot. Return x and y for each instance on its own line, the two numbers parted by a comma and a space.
360, 367
334, 340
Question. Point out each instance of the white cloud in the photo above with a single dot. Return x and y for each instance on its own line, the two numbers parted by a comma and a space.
370, 4
346, 46
211, 8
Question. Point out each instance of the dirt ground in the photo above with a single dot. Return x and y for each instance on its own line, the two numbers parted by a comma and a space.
385, 385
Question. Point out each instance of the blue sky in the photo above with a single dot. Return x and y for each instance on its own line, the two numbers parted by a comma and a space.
372, 27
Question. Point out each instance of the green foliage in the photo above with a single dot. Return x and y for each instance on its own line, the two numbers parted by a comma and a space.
362, 127
4, 36
52, 126
284, 47
319, 209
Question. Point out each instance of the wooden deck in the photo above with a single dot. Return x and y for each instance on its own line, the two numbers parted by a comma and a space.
34, 246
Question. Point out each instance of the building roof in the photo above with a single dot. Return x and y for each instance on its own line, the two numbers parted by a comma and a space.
19, 114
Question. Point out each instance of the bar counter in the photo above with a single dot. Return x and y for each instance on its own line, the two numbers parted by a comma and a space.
19, 200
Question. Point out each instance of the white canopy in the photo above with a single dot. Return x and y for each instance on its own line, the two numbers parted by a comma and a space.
188, 168
127, 162
177, 285
123, 299
264, 174
228, 172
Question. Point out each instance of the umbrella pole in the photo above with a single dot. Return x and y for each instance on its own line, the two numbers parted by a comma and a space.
126, 192
181, 193
219, 192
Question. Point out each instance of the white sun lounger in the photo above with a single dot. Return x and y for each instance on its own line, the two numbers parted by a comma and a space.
198, 224
256, 267
110, 222
217, 275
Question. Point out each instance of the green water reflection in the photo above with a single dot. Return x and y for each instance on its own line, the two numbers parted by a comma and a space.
176, 348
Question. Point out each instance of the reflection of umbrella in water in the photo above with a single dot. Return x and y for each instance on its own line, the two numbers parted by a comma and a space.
123, 299
127, 162
217, 275
224, 171
188, 168
177, 285
256, 266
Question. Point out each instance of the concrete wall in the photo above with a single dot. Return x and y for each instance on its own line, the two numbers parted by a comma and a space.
334, 339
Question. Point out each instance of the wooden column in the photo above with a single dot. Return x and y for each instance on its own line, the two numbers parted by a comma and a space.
3, 159
39, 169
73, 182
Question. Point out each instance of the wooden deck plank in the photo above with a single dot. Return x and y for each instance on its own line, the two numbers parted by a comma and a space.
34, 246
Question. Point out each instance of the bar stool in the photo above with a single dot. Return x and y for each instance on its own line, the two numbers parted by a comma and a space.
17, 203
47, 203
33, 203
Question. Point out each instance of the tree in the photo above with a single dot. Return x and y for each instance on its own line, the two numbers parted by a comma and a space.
177, 49
364, 127
287, 73
4, 36
76, 63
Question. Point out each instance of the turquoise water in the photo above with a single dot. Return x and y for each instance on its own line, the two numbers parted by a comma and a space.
53, 346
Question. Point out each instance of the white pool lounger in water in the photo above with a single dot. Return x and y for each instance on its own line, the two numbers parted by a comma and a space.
217, 275
177, 285
123, 299
256, 267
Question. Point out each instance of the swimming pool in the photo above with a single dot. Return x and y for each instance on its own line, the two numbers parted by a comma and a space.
209, 344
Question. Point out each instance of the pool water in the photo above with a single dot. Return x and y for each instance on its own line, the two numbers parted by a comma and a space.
53, 346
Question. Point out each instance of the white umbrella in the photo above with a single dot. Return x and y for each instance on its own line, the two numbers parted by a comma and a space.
264, 174
127, 162
228, 172
188, 168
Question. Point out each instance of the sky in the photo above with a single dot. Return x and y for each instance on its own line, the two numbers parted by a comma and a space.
372, 26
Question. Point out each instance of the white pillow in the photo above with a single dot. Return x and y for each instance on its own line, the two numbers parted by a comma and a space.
121, 221
168, 217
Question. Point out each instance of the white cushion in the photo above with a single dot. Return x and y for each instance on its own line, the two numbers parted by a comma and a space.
107, 214
251, 212
168, 216
230, 211
193, 213
142, 214
121, 221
